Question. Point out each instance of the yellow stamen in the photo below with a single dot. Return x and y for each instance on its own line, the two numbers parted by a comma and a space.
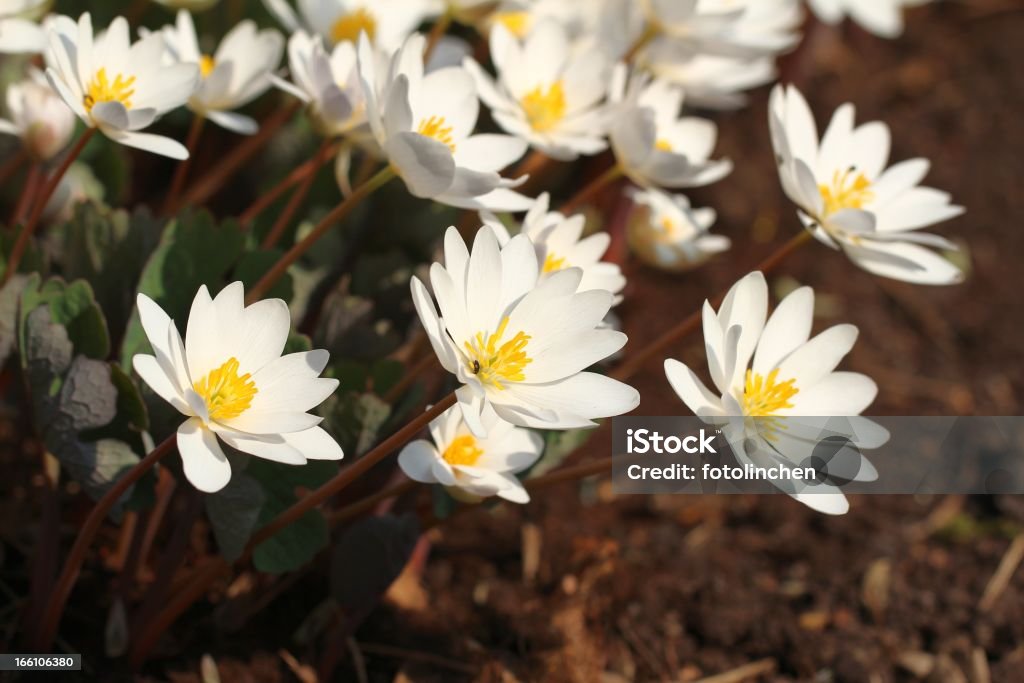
544, 109
764, 396
663, 145
844, 194
101, 89
226, 394
516, 22
552, 263
462, 451
348, 26
206, 65
493, 362
434, 128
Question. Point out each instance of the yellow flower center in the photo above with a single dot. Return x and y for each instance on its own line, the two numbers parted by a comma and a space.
552, 263
849, 190
206, 65
544, 109
462, 451
494, 362
348, 26
516, 22
226, 394
102, 89
764, 396
435, 128
663, 145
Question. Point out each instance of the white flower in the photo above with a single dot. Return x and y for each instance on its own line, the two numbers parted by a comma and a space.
717, 81
666, 233
236, 74
424, 125
521, 17
231, 382
38, 116
882, 17
849, 200
115, 85
676, 30
653, 143
764, 371
560, 244
547, 93
466, 464
387, 23
328, 82
190, 5
19, 31
518, 344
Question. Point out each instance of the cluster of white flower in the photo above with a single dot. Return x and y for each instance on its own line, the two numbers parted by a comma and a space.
517, 318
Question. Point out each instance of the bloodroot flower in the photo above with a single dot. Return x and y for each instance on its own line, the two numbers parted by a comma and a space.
236, 74
884, 18
39, 117
516, 344
231, 382
767, 369
665, 232
849, 200
115, 85
19, 33
469, 466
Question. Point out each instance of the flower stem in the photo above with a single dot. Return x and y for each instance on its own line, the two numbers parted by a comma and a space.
214, 179
297, 176
40, 203
689, 324
281, 224
352, 472
595, 186
181, 172
151, 632
43, 638
326, 223
28, 191
651, 32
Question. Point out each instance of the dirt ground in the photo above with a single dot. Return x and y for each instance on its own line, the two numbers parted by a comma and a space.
583, 586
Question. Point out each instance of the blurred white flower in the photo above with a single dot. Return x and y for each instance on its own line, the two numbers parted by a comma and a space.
19, 31
764, 371
190, 5
521, 17
560, 244
547, 93
236, 74
665, 232
115, 85
231, 382
38, 116
882, 17
516, 344
424, 124
653, 143
328, 82
717, 81
472, 466
79, 184
849, 200
386, 23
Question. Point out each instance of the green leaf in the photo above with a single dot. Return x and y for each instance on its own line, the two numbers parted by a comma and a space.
108, 248
368, 558
73, 307
356, 419
233, 513
193, 251
10, 298
298, 543
254, 264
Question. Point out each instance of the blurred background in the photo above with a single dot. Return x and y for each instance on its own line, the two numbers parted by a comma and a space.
584, 586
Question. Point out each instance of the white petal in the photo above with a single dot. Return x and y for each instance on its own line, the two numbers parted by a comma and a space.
314, 444
202, 458
416, 461
165, 386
